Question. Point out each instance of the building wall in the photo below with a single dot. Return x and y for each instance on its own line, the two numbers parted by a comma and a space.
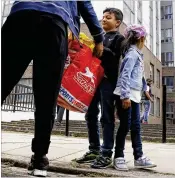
168, 61
170, 72
167, 30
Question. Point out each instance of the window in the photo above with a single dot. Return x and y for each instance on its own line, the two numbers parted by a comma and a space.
167, 59
168, 12
158, 78
162, 58
152, 106
170, 107
169, 82
168, 34
162, 12
170, 110
152, 72
158, 107
169, 56
162, 35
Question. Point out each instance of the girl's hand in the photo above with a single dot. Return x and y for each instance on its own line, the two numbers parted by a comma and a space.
126, 103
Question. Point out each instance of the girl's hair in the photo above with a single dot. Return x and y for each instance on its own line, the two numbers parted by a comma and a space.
132, 35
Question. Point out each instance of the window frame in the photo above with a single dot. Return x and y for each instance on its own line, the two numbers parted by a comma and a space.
152, 77
158, 78
157, 104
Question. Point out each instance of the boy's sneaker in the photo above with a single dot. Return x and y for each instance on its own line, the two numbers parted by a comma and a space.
38, 166
101, 162
120, 164
88, 157
144, 162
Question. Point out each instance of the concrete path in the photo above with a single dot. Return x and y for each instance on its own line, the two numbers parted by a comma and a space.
64, 149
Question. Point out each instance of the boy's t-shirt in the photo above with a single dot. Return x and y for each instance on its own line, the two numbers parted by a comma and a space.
111, 55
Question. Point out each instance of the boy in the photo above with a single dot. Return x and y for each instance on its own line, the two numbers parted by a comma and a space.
112, 18
146, 100
38, 31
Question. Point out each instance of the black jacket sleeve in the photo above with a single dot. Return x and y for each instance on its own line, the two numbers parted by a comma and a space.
88, 14
110, 53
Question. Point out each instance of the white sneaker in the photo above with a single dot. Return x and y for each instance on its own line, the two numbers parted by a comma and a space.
144, 162
39, 173
120, 164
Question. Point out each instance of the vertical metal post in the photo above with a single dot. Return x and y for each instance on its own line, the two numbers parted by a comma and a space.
164, 115
15, 97
67, 122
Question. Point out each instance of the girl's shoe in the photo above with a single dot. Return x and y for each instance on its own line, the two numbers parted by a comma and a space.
144, 162
120, 164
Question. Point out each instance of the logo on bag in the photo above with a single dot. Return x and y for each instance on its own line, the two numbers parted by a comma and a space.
86, 80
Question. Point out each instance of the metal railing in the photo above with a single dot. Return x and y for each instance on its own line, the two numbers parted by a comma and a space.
20, 99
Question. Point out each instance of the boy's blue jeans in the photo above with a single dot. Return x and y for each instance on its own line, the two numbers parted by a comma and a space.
103, 96
129, 120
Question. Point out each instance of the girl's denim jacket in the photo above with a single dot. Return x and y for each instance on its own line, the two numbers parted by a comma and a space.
131, 73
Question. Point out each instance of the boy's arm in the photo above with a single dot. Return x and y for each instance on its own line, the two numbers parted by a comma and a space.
116, 52
89, 16
125, 77
148, 96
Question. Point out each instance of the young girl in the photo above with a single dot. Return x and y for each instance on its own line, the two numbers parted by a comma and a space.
130, 84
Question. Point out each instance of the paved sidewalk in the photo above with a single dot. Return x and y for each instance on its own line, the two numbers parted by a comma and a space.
64, 149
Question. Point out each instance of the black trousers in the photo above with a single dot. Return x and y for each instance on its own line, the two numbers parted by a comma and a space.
41, 37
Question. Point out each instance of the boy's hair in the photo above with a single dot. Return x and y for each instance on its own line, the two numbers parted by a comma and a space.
148, 80
117, 12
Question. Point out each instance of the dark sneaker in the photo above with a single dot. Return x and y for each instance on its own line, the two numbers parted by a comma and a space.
101, 162
88, 157
38, 166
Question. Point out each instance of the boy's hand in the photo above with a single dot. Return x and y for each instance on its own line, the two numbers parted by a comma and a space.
126, 103
151, 100
98, 49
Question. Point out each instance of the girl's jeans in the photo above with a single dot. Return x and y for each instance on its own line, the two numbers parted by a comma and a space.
129, 120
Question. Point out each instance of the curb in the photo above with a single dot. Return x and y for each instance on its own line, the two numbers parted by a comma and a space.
82, 171
65, 170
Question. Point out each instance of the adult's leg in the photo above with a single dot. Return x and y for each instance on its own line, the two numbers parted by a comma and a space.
50, 55
15, 46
